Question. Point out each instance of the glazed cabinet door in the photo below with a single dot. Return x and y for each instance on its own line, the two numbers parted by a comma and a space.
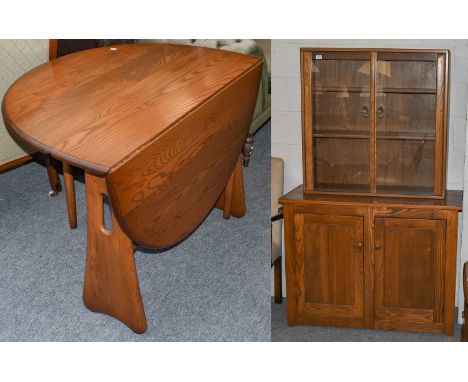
409, 273
337, 123
410, 117
328, 268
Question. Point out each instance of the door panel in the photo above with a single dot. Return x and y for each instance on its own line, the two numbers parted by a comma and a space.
329, 266
407, 127
409, 269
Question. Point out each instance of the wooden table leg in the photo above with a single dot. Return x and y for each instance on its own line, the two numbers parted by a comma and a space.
54, 178
70, 194
232, 200
110, 283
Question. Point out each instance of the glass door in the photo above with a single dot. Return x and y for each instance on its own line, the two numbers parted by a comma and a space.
341, 120
406, 109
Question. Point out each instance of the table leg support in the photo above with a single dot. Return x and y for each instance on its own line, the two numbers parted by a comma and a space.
111, 282
70, 194
232, 200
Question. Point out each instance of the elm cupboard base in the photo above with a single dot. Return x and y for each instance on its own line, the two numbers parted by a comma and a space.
371, 263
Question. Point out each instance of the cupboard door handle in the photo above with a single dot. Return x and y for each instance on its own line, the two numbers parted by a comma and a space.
378, 246
380, 112
359, 246
365, 112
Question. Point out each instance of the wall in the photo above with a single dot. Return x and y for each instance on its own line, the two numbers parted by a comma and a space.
16, 58
286, 141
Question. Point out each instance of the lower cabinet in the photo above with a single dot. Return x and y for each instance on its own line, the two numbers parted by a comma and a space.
374, 267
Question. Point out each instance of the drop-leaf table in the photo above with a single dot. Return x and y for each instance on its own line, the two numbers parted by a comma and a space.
159, 129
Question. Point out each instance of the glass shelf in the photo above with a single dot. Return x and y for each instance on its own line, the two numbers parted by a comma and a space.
341, 134
403, 135
407, 91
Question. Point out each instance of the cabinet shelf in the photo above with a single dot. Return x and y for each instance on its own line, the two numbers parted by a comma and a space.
404, 190
406, 90
341, 89
366, 89
405, 136
340, 134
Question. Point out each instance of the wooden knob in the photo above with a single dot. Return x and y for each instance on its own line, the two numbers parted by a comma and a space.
378, 246
365, 112
380, 112
359, 245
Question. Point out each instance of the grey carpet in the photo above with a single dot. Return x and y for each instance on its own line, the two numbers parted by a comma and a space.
214, 286
281, 332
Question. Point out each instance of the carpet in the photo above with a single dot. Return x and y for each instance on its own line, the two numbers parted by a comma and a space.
214, 286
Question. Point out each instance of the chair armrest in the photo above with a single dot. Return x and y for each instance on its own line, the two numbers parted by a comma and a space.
278, 216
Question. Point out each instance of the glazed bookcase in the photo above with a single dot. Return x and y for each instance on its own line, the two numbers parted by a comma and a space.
374, 121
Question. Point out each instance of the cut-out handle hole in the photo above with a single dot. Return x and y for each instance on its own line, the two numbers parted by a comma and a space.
106, 213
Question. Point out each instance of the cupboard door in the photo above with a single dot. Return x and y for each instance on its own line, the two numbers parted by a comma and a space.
329, 266
409, 271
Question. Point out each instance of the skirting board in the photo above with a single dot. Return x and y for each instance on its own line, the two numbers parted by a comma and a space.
15, 163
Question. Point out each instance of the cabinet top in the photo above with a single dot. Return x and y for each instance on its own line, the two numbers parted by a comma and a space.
453, 200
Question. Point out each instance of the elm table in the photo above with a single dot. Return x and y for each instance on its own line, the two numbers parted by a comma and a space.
159, 129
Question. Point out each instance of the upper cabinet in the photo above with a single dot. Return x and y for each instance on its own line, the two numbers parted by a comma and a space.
375, 121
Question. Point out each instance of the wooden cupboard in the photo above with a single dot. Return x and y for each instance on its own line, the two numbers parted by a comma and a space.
371, 262
375, 121
371, 236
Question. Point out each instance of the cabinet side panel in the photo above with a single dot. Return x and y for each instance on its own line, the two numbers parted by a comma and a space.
440, 151
307, 111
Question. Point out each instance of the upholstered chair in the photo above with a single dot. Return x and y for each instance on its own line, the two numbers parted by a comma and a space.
277, 181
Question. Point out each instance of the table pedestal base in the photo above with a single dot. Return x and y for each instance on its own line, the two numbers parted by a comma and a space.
110, 283
232, 200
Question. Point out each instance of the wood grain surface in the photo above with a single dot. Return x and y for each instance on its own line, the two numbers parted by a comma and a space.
111, 282
453, 200
98, 108
162, 194
159, 129
374, 121
384, 263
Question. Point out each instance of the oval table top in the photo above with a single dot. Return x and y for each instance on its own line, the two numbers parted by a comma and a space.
98, 108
